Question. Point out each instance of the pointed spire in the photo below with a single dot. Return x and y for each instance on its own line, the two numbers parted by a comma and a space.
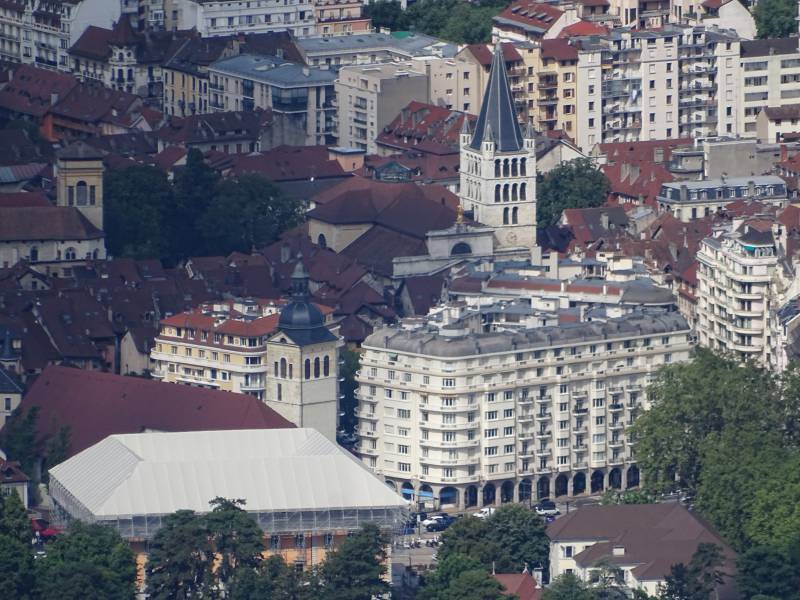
299, 280
498, 117
465, 124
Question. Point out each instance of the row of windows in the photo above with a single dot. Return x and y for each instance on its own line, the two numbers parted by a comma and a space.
284, 369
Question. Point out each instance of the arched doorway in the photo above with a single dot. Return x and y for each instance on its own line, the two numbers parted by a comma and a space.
321, 241
461, 248
425, 493
562, 485
448, 497
543, 488
579, 484
597, 482
471, 496
391, 484
632, 477
507, 492
615, 479
407, 490
525, 489
489, 493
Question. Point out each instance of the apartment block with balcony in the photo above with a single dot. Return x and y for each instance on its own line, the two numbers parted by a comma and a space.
370, 96
657, 84
474, 418
301, 98
215, 18
219, 346
770, 77
341, 17
553, 104
735, 277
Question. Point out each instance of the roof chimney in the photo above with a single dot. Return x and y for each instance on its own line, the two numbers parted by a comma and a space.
53, 98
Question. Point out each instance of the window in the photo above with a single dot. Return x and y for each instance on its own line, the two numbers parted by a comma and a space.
490, 433
403, 413
599, 420
508, 449
404, 467
490, 451
326, 366
316, 367
508, 431
491, 415
448, 382
402, 449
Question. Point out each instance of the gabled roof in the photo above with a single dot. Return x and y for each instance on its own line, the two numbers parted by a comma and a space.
484, 55
425, 128
497, 121
93, 44
95, 405
582, 28
32, 91
533, 17
45, 223
559, 49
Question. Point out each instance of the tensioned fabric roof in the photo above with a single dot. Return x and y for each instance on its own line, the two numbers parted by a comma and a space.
272, 469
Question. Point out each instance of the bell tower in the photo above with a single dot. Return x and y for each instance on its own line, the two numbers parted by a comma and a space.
498, 165
79, 176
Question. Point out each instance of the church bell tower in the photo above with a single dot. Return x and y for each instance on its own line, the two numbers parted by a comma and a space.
498, 165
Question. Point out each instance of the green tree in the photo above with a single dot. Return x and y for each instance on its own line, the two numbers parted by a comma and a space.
386, 14
58, 449
355, 570
136, 201
16, 561
89, 561
273, 579
568, 587
734, 463
692, 400
767, 571
775, 18
573, 184
193, 191
510, 539
775, 516
236, 539
245, 212
14, 521
18, 438
180, 560
460, 577
699, 579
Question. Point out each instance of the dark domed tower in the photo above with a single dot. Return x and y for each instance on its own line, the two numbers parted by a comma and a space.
303, 355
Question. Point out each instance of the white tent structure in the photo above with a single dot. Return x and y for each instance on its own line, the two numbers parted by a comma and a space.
293, 480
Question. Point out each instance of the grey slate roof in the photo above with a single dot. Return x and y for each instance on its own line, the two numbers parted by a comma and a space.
498, 118
274, 71
429, 343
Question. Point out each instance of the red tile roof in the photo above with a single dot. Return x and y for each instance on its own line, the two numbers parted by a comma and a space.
31, 91
642, 179
24, 199
45, 223
289, 163
483, 53
559, 49
520, 585
584, 28
534, 14
95, 405
425, 128
642, 151
93, 44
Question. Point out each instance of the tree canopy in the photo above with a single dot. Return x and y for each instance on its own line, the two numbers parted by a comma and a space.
575, 183
197, 214
775, 18
459, 22
356, 569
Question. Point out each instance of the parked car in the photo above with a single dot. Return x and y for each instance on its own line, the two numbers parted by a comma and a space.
433, 518
440, 523
486, 511
546, 508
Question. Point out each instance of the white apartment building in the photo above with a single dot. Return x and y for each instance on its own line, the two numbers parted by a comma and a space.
770, 75
734, 279
483, 418
657, 84
41, 32
228, 17
370, 96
